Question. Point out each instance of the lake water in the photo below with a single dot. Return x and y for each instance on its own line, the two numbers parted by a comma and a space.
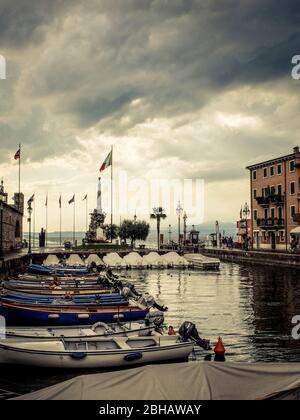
249, 307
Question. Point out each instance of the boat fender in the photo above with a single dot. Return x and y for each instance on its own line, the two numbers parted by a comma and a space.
53, 316
133, 356
99, 324
78, 356
118, 316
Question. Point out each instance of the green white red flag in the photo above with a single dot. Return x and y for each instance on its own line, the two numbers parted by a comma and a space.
107, 162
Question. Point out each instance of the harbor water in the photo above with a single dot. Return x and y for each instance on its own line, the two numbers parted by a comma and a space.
251, 308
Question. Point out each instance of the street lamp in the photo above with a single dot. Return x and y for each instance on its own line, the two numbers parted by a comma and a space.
1, 224
170, 234
179, 211
246, 213
29, 221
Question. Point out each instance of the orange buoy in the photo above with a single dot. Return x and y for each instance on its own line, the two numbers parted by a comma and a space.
219, 347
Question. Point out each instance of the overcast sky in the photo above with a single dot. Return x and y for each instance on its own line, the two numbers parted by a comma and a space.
181, 88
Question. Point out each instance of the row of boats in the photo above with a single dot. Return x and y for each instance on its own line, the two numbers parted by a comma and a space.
72, 317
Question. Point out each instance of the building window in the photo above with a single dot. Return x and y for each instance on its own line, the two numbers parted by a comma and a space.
266, 213
272, 213
17, 230
292, 188
272, 171
279, 189
279, 169
292, 166
265, 172
254, 175
255, 214
254, 193
293, 211
273, 190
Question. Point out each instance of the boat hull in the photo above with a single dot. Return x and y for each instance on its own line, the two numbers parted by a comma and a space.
93, 360
16, 314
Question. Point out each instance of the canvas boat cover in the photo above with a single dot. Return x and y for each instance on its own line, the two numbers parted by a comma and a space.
74, 259
113, 259
133, 258
174, 258
154, 259
94, 258
51, 260
183, 381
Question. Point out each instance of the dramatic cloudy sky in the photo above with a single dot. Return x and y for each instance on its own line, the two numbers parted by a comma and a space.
193, 89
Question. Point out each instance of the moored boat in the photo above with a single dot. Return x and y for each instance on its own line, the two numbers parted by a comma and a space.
99, 329
25, 314
94, 352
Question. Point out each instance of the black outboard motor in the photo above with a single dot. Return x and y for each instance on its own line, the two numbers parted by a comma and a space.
156, 318
188, 331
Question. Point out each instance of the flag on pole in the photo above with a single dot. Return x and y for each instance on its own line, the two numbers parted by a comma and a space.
18, 154
72, 200
107, 162
46, 202
85, 198
59, 201
31, 199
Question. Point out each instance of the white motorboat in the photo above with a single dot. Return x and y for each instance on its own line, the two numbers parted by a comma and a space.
94, 352
99, 329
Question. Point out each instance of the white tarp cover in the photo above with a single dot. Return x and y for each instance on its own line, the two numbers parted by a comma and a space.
94, 258
51, 260
113, 259
74, 259
154, 259
133, 258
183, 381
174, 258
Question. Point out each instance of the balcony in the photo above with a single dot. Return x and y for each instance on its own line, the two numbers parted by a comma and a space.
265, 201
296, 217
270, 223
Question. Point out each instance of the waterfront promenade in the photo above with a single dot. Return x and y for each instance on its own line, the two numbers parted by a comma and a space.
261, 257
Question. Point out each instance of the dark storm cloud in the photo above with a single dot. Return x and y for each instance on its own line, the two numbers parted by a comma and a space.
21, 22
93, 59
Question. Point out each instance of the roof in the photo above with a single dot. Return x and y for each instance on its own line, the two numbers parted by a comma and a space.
179, 381
12, 208
271, 161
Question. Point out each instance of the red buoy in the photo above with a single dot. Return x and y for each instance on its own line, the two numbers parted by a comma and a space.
219, 347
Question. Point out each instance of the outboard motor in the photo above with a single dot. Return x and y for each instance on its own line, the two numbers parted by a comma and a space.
188, 331
156, 318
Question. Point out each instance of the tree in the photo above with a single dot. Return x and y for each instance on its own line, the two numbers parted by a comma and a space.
111, 232
134, 230
158, 214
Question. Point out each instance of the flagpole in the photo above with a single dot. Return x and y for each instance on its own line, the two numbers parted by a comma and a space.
86, 214
20, 169
74, 222
34, 222
60, 220
46, 235
111, 204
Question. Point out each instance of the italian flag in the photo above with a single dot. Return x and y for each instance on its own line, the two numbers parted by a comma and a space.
107, 162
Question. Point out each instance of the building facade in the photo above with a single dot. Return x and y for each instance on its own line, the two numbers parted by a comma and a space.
275, 198
11, 221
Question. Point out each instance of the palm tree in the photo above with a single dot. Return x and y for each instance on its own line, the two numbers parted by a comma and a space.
158, 214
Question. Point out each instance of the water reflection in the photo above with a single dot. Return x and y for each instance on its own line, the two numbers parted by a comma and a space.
250, 307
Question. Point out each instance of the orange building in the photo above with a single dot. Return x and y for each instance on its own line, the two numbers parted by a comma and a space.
275, 197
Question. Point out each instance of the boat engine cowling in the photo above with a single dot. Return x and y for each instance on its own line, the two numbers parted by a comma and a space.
157, 318
188, 331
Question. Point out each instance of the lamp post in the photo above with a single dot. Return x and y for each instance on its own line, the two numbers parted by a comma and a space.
170, 234
29, 221
1, 225
246, 213
179, 211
